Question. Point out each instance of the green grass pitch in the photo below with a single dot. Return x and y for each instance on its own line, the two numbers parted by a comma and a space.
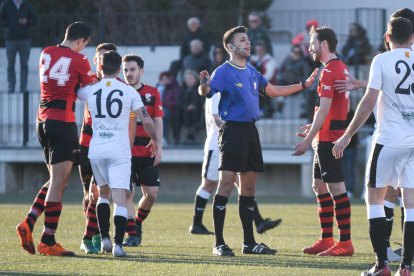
169, 249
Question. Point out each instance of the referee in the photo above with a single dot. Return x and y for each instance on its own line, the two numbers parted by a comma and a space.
240, 151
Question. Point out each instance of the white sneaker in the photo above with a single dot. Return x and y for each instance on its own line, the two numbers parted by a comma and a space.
117, 251
392, 257
106, 245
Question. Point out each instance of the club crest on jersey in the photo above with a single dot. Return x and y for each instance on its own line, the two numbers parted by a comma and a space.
327, 70
148, 97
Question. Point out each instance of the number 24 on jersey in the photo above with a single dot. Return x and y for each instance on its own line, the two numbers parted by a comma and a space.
59, 70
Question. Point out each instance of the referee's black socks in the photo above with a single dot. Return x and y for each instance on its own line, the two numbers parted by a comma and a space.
246, 210
219, 213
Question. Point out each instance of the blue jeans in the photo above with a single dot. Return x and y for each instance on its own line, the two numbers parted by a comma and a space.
21, 46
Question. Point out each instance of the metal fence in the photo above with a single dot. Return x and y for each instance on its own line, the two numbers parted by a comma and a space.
168, 28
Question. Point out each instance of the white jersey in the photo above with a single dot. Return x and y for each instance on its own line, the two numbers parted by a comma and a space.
110, 103
212, 129
392, 74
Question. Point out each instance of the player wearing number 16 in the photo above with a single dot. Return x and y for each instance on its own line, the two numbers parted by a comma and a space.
110, 103
62, 68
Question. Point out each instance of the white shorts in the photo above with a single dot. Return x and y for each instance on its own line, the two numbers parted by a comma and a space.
211, 165
388, 166
114, 172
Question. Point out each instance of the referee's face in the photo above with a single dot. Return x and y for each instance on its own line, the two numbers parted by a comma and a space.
241, 45
132, 72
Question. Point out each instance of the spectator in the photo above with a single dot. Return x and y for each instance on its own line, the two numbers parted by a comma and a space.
266, 65
258, 33
357, 47
170, 91
219, 57
191, 105
194, 31
294, 68
302, 39
18, 17
198, 59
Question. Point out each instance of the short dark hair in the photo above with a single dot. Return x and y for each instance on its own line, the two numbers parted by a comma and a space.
326, 33
107, 47
136, 58
228, 36
404, 13
77, 30
399, 30
111, 62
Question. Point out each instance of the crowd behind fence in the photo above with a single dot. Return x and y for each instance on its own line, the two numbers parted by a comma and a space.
18, 111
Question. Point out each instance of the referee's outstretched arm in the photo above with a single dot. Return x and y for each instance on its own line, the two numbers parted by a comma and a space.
275, 90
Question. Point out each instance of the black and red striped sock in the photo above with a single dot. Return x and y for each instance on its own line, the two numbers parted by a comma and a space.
37, 208
326, 214
131, 227
52, 214
343, 216
141, 216
91, 222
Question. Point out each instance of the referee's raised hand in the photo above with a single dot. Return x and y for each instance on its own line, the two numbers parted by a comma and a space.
204, 87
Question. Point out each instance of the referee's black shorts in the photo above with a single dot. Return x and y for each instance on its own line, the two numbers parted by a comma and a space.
240, 149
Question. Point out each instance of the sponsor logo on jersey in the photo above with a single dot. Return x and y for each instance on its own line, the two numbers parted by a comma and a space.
407, 54
239, 84
327, 70
326, 87
108, 83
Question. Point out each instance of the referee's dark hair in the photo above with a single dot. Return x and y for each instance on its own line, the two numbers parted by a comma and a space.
136, 58
326, 33
399, 30
111, 62
228, 36
77, 30
106, 47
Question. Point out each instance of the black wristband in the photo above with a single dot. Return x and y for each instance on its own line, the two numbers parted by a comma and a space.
303, 84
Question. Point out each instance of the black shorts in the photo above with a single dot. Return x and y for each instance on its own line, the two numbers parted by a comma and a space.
144, 173
85, 169
59, 140
325, 166
240, 149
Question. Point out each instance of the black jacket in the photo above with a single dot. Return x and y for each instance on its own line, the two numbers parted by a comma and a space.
9, 15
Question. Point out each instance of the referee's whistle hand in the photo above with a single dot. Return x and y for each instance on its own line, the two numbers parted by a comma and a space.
204, 78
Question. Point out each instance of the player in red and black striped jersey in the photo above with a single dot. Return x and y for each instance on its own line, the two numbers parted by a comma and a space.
62, 69
91, 240
328, 124
144, 165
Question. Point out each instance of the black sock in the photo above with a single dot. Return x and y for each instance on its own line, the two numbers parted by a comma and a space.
402, 218
199, 206
408, 244
257, 217
389, 216
378, 234
219, 213
120, 223
246, 210
103, 212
